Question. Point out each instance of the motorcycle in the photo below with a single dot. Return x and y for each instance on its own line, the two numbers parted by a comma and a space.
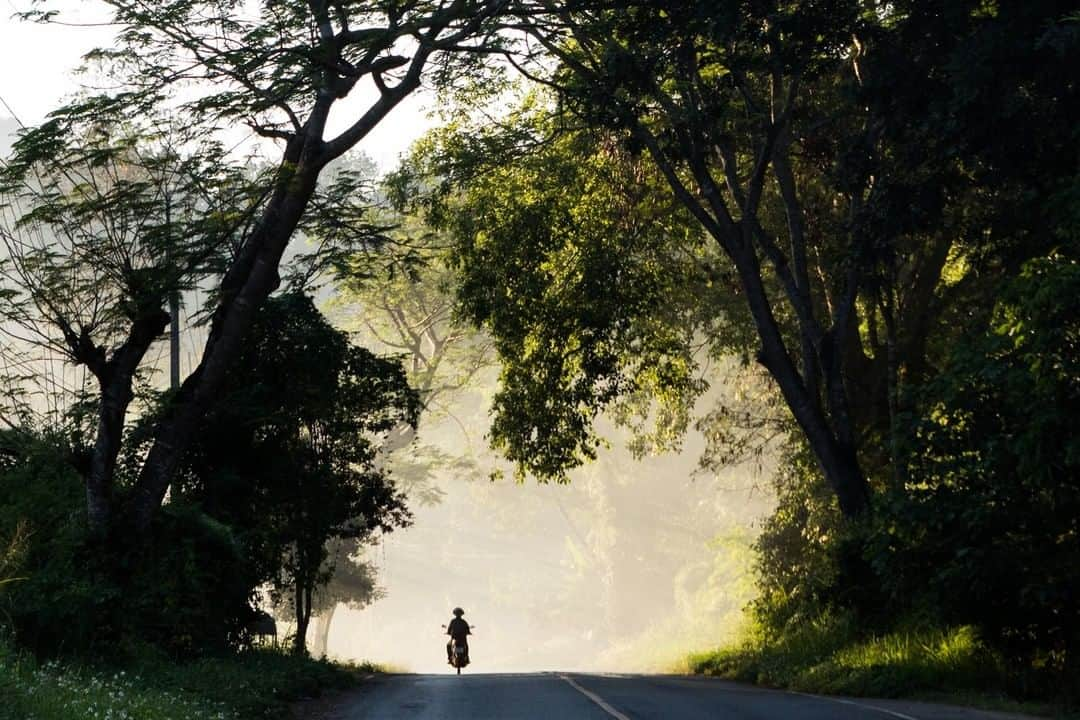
459, 652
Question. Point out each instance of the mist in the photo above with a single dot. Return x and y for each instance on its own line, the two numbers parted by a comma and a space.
628, 567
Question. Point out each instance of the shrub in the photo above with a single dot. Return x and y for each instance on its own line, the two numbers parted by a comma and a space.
832, 654
64, 600
185, 591
984, 530
190, 590
988, 529
256, 684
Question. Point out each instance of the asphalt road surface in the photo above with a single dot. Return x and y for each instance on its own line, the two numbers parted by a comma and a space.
572, 696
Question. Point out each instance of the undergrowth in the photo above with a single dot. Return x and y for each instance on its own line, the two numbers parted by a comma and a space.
829, 655
257, 684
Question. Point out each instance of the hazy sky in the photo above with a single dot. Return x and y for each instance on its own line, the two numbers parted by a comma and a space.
37, 60
37, 64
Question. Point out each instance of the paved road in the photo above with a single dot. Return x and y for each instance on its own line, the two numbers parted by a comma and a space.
553, 696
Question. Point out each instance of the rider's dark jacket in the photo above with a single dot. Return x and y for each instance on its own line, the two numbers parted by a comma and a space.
457, 629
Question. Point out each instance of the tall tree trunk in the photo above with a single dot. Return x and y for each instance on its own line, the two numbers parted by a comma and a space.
321, 640
115, 377
115, 398
245, 288
302, 603
836, 458
252, 277
829, 436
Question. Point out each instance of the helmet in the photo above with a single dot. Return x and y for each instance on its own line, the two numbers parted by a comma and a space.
458, 612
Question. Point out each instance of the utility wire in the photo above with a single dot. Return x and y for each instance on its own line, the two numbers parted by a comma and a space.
11, 112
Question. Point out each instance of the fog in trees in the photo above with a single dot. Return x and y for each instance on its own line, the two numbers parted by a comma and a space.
621, 569
635, 558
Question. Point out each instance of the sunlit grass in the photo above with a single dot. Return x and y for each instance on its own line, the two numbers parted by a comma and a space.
829, 655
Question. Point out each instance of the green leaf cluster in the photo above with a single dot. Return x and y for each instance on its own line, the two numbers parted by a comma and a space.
593, 283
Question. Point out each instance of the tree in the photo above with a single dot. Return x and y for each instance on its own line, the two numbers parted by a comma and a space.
289, 457
115, 224
831, 155
410, 313
280, 72
988, 531
352, 582
592, 291
713, 94
960, 382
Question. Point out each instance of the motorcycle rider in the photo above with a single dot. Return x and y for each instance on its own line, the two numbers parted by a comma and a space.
458, 630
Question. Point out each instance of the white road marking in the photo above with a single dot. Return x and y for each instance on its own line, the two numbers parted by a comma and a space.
596, 699
895, 714
759, 689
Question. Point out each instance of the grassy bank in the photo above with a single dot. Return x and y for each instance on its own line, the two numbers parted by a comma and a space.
257, 684
830, 656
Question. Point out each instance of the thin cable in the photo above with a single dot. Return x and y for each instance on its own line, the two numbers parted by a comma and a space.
11, 112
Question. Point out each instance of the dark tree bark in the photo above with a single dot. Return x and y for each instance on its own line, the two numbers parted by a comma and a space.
829, 436
115, 377
704, 171
254, 274
302, 600
245, 287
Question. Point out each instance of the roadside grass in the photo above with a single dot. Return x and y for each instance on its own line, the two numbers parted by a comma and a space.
258, 684
828, 655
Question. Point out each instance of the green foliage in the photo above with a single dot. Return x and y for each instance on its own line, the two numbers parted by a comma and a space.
279, 71
190, 592
108, 217
831, 654
987, 527
185, 590
592, 288
413, 313
11, 557
284, 467
64, 596
796, 559
984, 531
288, 459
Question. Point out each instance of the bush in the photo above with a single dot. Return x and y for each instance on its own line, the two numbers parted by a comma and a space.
255, 684
983, 533
832, 654
190, 591
186, 591
988, 530
64, 601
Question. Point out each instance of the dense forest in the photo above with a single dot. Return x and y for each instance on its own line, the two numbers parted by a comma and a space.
838, 240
